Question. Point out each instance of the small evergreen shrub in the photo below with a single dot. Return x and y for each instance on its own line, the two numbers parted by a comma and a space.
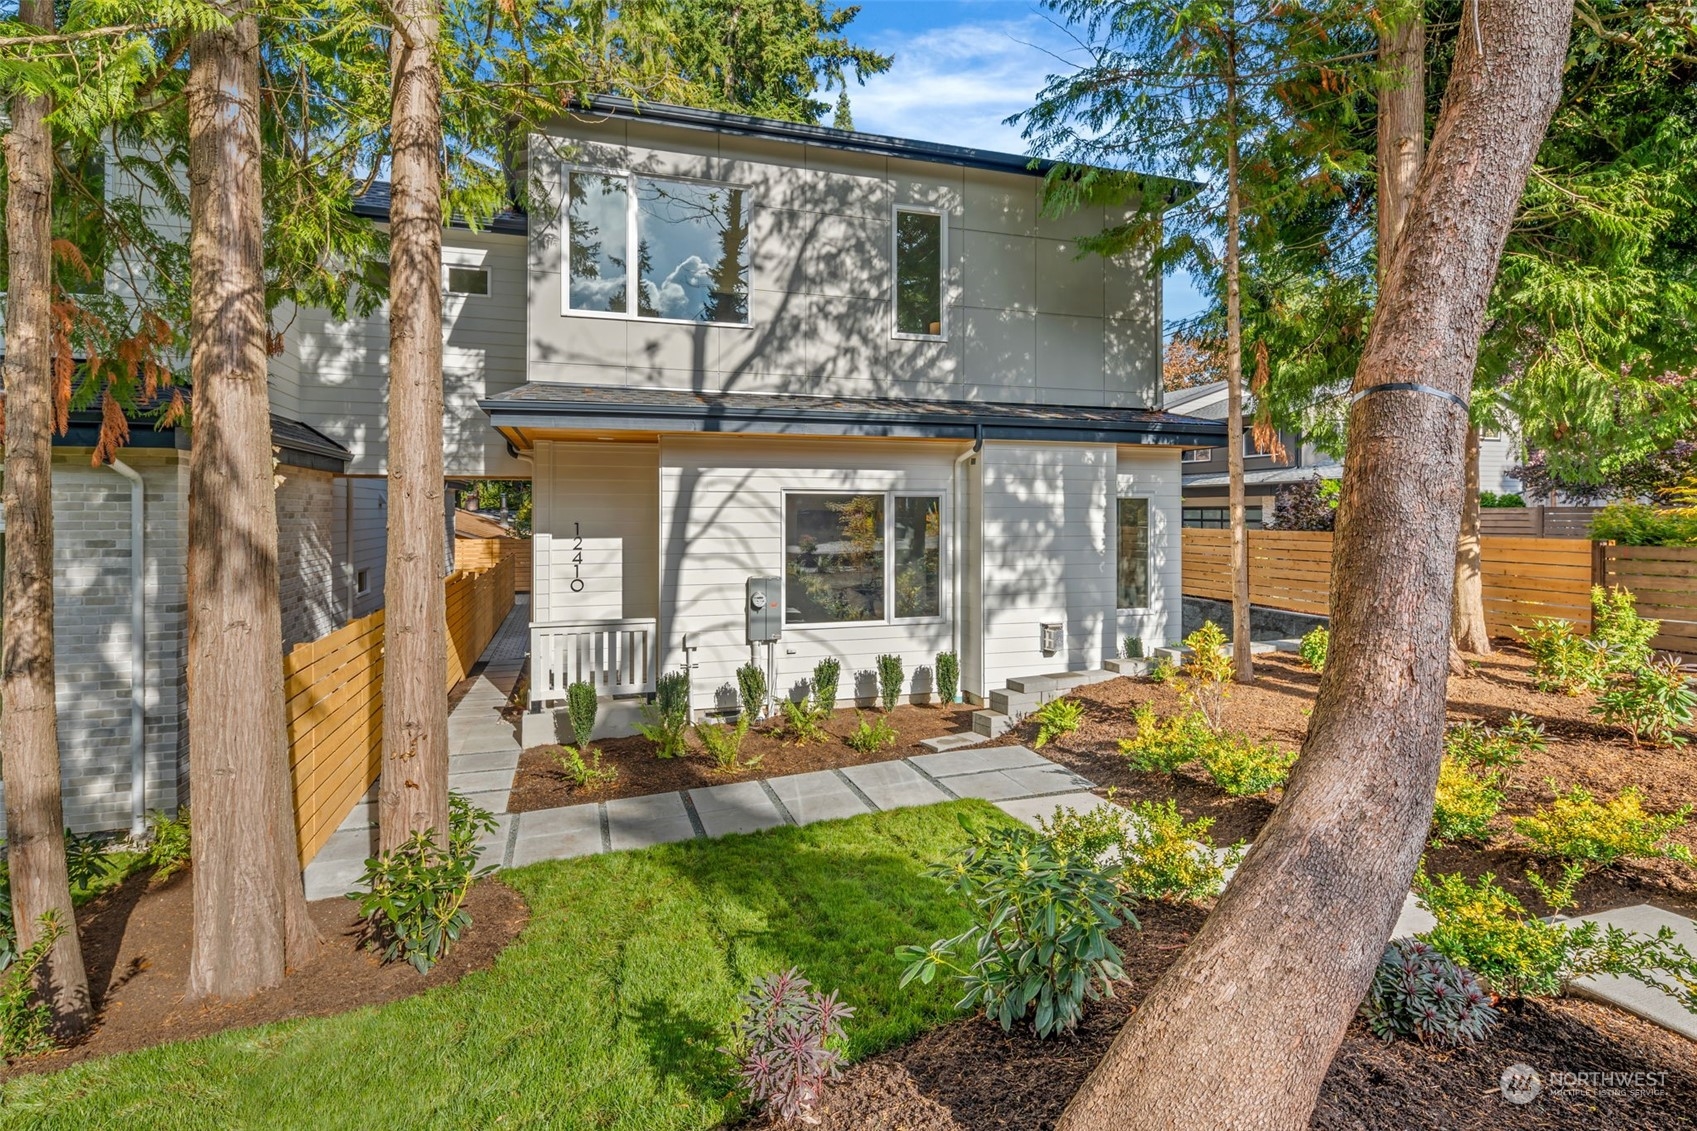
789, 1042
1616, 626
665, 721
1038, 946
1244, 767
1562, 660
1134, 647
1468, 800
1209, 672
1491, 500
871, 737
1055, 718
169, 843
1650, 702
1420, 995
582, 705
413, 905
723, 743
1162, 745
26, 1023
86, 862
1161, 855
1576, 827
1314, 646
585, 771
948, 677
751, 691
889, 681
826, 674
1640, 524
1477, 744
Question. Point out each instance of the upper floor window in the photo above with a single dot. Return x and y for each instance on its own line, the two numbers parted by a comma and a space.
919, 258
1197, 455
463, 280
656, 248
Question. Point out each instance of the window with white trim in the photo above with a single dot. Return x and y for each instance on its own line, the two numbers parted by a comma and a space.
865, 556
920, 240
464, 279
1133, 572
1197, 455
656, 248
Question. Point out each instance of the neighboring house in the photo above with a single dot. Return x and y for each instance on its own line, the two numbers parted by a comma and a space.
1207, 484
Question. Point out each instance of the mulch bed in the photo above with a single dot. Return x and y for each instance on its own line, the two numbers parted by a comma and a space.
136, 940
541, 784
969, 1075
1581, 750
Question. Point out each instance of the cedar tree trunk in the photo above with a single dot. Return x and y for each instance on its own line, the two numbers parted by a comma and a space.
414, 792
250, 919
1402, 129
29, 727
1239, 1033
1243, 666
1470, 631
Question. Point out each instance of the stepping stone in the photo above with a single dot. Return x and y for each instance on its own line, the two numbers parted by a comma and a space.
1046, 778
479, 781
492, 845
990, 785
494, 800
947, 742
340, 863
1413, 919
556, 834
659, 818
507, 760
1624, 993
1286, 645
741, 807
821, 796
482, 740
977, 761
893, 785
1028, 809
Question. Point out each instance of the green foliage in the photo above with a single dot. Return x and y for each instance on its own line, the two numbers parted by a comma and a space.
1651, 702
1161, 856
826, 673
1314, 647
1491, 500
1468, 799
871, 737
789, 1044
1162, 745
1244, 767
25, 1022
1577, 828
582, 705
723, 743
1055, 718
1039, 943
8, 929
948, 677
889, 681
1640, 524
1562, 660
666, 720
169, 843
751, 691
1418, 994
804, 721
1617, 627
1478, 744
586, 773
1209, 672
1133, 648
413, 905
1161, 670
86, 861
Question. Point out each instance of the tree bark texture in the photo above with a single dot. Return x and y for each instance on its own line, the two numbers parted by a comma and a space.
1243, 664
1402, 129
1470, 632
1240, 1032
29, 725
414, 793
250, 918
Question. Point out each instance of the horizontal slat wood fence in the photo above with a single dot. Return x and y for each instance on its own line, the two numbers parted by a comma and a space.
333, 699
1524, 578
1536, 522
481, 553
1664, 578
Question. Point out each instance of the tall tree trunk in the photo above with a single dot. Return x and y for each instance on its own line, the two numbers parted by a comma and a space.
1470, 633
1243, 664
414, 792
250, 919
1402, 129
29, 725
1262, 996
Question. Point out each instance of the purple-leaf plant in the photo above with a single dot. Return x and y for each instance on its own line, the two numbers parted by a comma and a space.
788, 1043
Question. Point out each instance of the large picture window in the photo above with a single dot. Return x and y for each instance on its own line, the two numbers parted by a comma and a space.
687, 242
919, 274
862, 557
1134, 554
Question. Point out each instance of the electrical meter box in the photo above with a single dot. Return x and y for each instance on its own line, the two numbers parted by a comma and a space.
764, 609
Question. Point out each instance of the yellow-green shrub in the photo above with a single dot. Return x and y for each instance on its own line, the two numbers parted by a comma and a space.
1577, 827
1468, 799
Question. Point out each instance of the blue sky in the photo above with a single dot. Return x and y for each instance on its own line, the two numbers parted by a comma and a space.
961, 67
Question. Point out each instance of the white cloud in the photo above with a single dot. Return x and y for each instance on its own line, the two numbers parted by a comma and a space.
673, 297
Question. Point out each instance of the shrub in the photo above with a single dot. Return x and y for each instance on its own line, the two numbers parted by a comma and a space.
1489, 931
581, 708
1420, 995
871, 737
1209, 670
414, 902
723, 743
666, 720
1307, 504
1244, 767
826, 673
170, 843
1161, 670
1468, 799
587, 773
804, 722
1134, 647
1163, 745
1639, 524
948, 677
26, 1022
1492, 500
1477, 744
8, 935
1576, 827
751, 691
889, 680
1562, 660
1315, 644
1057, 717
788, 1043
1650, 702
1616, 626
1161, 856
86, 861
1039, 944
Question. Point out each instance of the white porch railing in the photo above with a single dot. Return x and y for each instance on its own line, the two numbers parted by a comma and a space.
616, 657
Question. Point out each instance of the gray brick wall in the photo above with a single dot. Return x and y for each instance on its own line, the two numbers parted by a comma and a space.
307, 523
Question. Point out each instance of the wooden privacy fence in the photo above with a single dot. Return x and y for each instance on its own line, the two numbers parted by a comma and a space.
1524, 578
1664, 578
333, 699
481, 553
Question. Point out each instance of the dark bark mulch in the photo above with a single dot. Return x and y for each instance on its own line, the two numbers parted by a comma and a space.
541, 784
969, 1075
136, 941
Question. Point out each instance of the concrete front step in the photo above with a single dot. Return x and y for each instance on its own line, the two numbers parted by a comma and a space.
990, 724
1017, 704
1179, 654
1132, 666
942, 744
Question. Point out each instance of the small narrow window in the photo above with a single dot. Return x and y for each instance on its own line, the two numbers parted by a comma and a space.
1197, 455
1134, 554
917, 556
919, 274
468, 280
362, 582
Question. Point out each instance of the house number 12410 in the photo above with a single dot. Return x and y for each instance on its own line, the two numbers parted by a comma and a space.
577, 558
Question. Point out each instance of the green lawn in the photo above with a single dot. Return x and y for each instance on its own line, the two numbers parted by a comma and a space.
607, 1012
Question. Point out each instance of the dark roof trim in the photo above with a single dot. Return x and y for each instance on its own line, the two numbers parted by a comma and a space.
373, 204
302, 445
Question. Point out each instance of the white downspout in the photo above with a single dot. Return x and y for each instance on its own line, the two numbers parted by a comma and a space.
962, 495
138, 647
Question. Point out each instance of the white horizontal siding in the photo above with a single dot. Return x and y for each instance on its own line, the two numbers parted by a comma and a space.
1153, 473
609, 491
